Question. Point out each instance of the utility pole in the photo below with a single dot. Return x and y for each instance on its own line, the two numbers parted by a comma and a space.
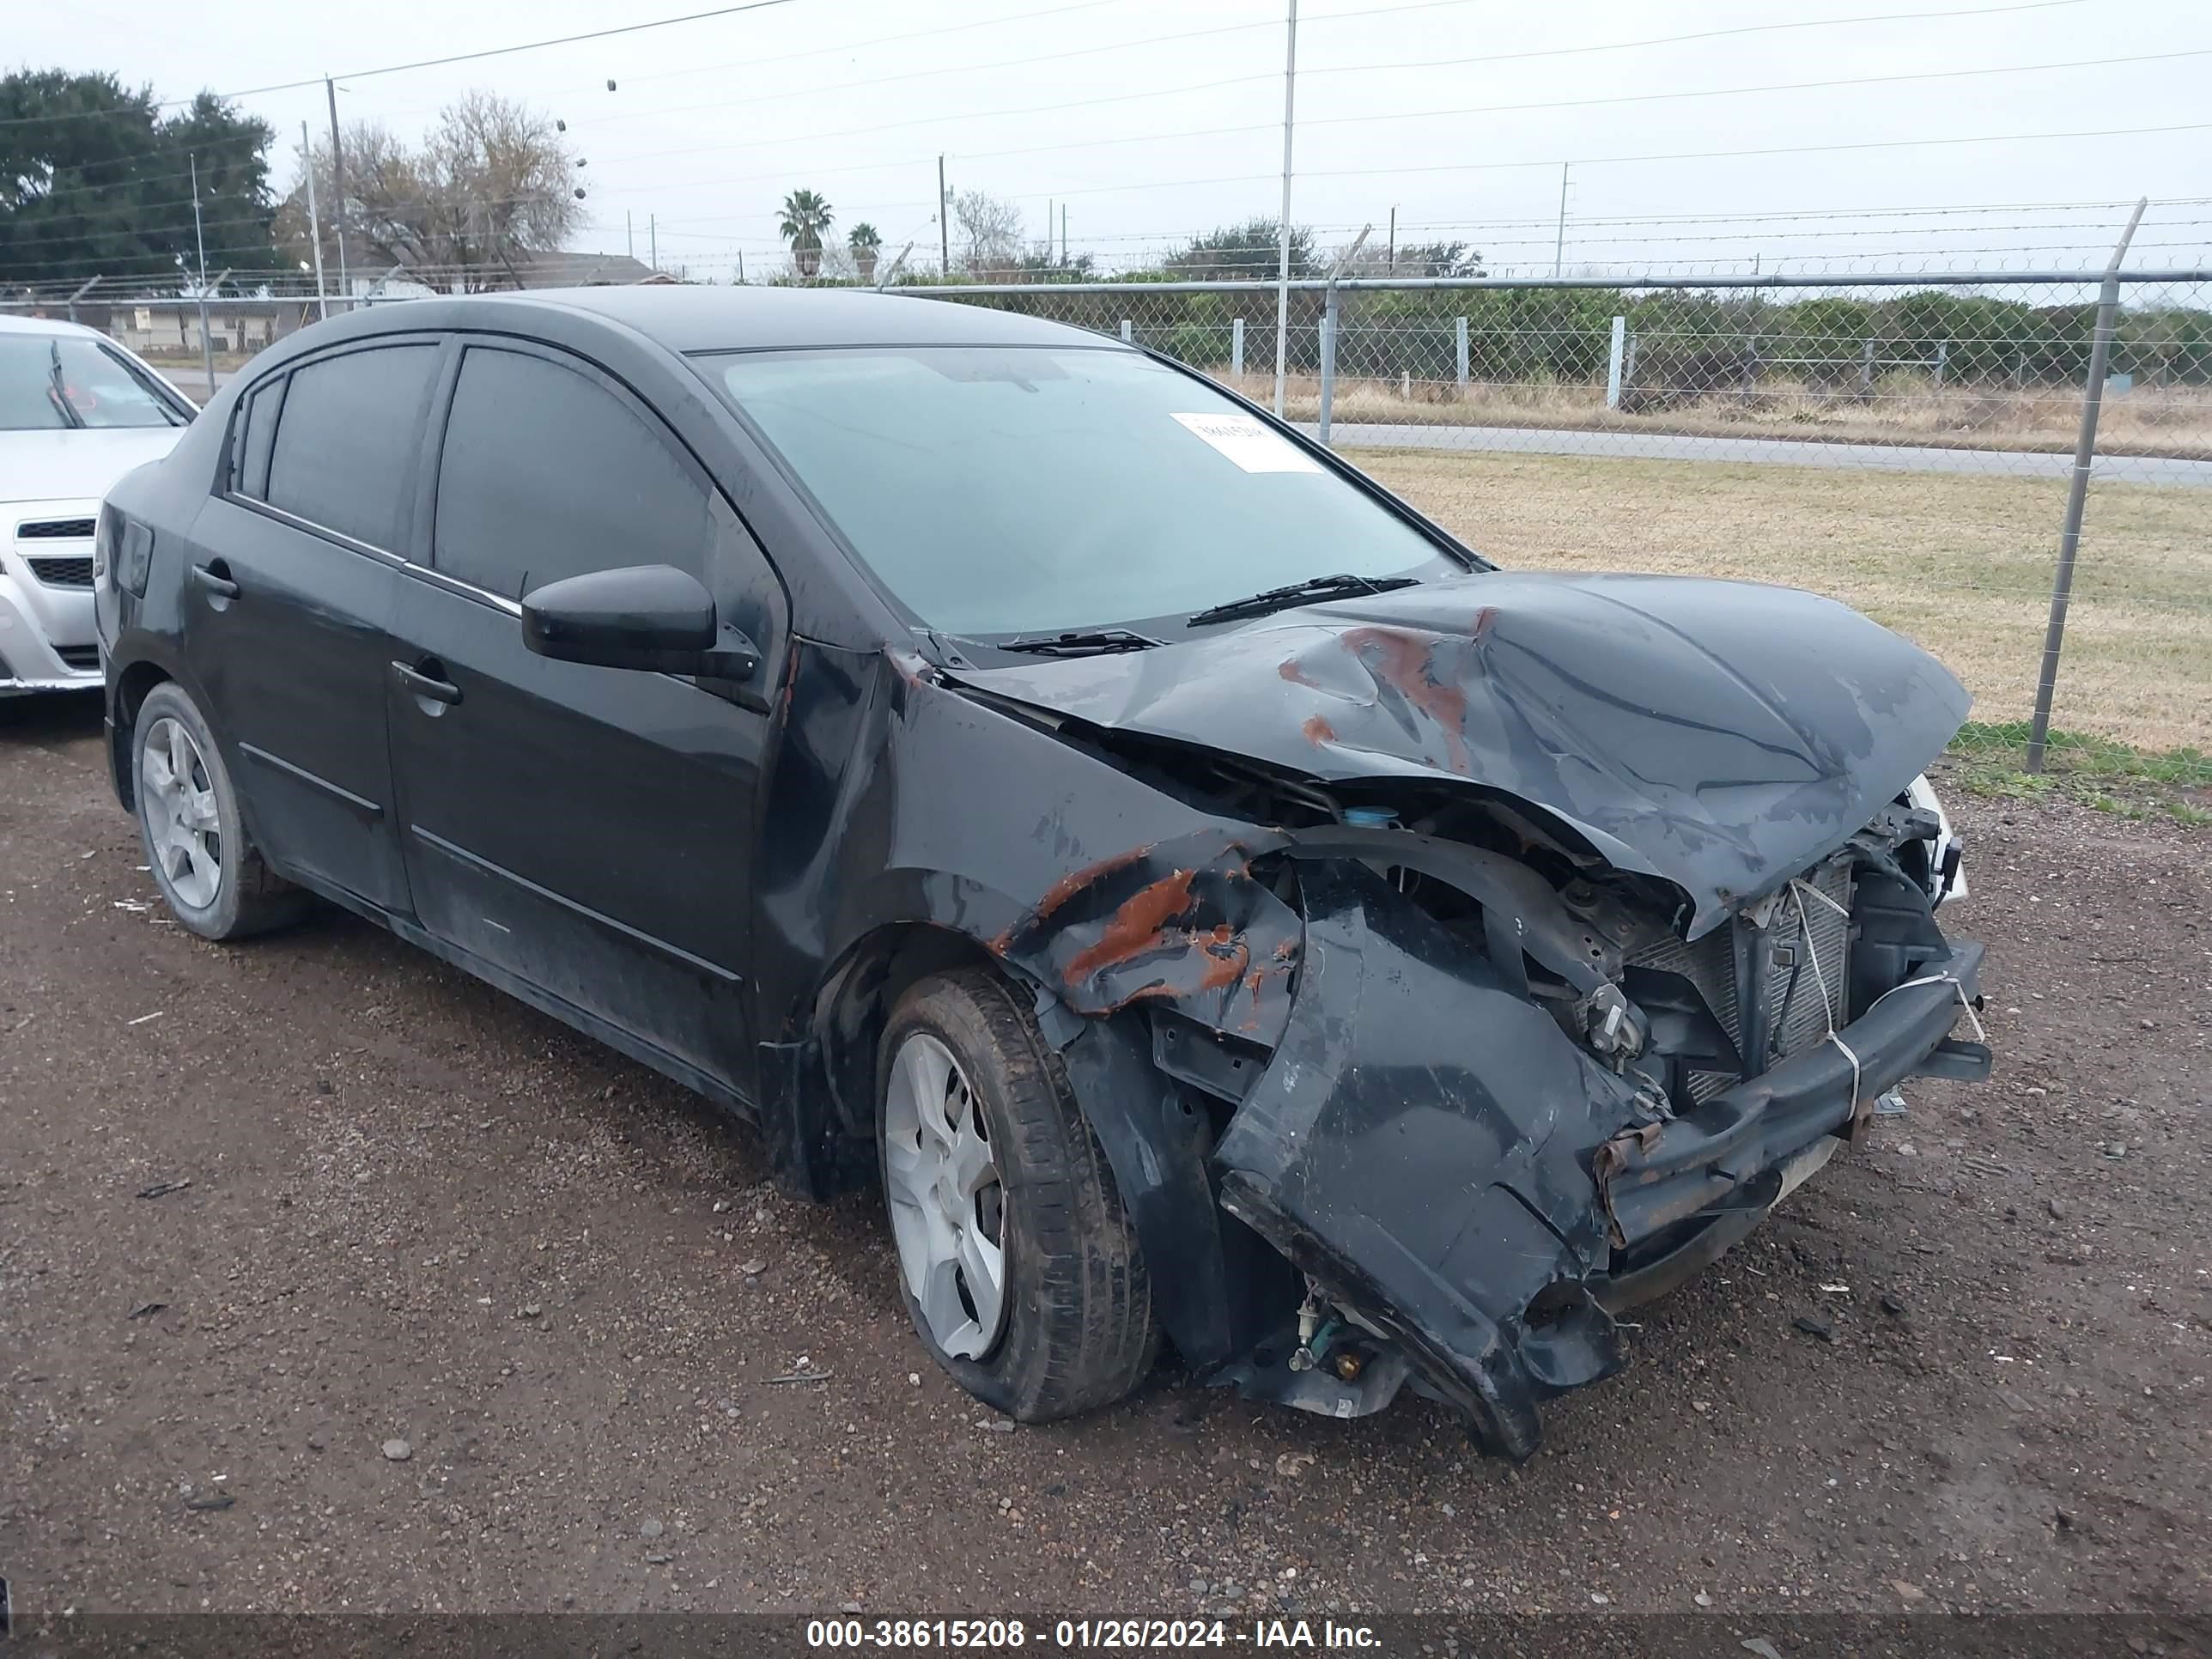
741, 267
1283, 271
207, 345
944, 229
1393, 239
1047, 230
652, 233
337, 189
629, 233
314, 225
1560, 250
1063, 232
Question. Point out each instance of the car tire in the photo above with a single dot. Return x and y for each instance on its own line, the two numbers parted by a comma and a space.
213, 877
1070, 1327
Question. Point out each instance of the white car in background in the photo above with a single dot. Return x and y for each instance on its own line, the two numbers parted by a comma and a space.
77, 413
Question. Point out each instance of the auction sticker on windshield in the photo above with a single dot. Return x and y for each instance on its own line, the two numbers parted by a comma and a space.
1253, 446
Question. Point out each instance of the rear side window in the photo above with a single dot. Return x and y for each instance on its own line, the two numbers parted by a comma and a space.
251, 433
346, 441
548, 474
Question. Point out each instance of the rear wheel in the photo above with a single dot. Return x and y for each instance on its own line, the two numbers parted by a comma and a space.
212, 875
1019, 1268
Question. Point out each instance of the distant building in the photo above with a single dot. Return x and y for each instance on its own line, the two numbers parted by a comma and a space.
173, 325
558, 268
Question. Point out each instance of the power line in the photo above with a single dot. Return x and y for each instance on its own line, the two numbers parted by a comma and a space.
1391, 115
1737, 92
1703, 34
425, 62
1790, 149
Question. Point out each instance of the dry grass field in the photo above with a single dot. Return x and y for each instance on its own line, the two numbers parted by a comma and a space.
1960, 564
1906, 408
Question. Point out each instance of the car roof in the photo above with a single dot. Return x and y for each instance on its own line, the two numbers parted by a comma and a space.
10, 323
687, 318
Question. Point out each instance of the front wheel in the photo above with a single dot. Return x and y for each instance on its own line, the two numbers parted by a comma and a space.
1019, 1266
211, 874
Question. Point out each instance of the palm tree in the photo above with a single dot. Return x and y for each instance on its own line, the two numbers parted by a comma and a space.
805, 216
866, 242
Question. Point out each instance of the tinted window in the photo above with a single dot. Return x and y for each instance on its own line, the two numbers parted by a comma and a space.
347, 440
250, 435
547, 474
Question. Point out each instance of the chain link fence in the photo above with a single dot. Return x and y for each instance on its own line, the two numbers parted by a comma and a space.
1905, 444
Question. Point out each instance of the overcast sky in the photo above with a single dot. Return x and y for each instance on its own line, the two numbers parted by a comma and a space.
1153, 118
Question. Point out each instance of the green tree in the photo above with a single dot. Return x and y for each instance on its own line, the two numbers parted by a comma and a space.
1246, 252
96, 180
806, 217
866, 243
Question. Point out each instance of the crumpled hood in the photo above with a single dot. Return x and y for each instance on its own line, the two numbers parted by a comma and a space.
1721, 735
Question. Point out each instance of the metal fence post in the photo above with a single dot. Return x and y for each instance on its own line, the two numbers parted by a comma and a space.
2077, 493
1236, 347
1330, 314
1615, 361
1328, 360
1460, 348
1128, 331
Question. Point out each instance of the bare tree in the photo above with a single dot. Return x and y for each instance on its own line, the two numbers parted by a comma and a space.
491, 184
990, 233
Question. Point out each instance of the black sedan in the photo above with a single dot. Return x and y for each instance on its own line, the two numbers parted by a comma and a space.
1211, 900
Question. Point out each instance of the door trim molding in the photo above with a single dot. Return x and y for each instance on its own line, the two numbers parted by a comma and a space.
360, 803
675, 952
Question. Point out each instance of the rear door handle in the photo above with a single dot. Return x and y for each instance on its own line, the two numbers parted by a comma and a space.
425, 685
213, 579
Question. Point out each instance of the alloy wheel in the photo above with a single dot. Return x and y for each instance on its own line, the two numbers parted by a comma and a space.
947, 1203
184, 827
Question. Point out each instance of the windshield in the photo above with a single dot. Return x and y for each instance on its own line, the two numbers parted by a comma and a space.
1000, 490
58, 382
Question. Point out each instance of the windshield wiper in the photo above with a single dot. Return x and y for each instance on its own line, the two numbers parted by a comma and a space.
62, 402
1091, 642
1282, 598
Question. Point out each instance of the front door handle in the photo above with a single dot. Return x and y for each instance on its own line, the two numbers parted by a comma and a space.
426, 685
216, 579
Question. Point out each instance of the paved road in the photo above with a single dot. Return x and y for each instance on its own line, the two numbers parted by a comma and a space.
419, 1211
1777, 451
1670, 447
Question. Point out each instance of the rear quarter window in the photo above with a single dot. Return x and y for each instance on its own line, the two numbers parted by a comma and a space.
252, 433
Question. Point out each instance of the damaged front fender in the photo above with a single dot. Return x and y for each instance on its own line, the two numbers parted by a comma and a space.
1419, 1145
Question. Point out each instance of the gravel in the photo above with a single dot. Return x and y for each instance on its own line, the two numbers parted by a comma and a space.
387, 1159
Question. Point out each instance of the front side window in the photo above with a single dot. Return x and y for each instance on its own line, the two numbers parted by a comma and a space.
546, 474
1001, 490
62, 382
346, 440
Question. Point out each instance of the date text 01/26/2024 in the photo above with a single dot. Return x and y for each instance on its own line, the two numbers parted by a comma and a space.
1001, 1635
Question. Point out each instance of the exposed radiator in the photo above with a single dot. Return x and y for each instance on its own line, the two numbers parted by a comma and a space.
1710, 965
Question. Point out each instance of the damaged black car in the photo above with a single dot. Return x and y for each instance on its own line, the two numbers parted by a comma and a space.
1216, 905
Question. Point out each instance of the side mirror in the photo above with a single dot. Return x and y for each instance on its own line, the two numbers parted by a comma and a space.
650, 616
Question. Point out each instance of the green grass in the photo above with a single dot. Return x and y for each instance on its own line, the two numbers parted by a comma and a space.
1989, 759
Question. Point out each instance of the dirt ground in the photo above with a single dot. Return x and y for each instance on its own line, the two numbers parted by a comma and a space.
401, 1208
